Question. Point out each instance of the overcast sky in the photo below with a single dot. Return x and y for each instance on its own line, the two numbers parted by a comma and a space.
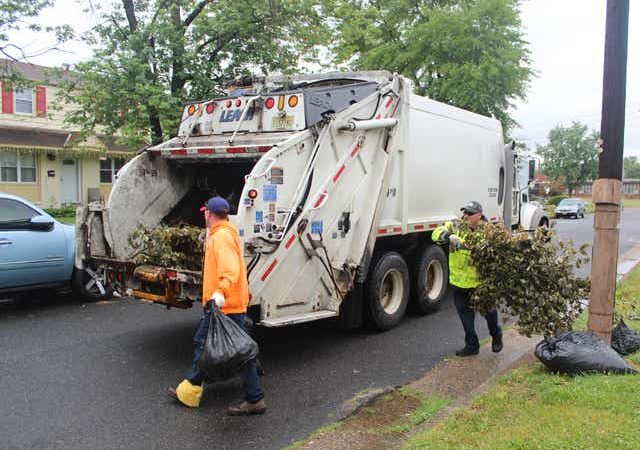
566, 39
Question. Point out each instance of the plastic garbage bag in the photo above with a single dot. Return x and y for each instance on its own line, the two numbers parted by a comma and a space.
580, 352
227, 348
625, 340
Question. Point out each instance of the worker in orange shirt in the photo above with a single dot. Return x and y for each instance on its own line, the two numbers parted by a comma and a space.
225, 286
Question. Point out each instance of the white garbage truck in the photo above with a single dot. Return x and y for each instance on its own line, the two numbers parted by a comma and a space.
336, 182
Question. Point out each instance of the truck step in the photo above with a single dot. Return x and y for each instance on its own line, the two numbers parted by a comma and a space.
300, 318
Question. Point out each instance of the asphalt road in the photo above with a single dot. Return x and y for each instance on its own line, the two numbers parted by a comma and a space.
94, 376
581, 231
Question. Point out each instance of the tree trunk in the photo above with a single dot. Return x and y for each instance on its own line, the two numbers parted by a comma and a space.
156, 126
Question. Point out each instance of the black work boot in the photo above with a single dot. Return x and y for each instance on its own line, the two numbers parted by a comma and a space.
496, 344
467, 351
247, 409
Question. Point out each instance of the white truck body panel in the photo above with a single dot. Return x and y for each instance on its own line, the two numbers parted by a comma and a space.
453, 156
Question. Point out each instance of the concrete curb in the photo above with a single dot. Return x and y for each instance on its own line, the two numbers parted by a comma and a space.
627, 262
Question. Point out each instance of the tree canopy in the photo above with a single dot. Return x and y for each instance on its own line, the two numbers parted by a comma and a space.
152, 55
14, 15
571, 156
631, 167
468, 53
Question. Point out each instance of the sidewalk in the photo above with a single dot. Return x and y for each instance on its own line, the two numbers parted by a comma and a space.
387, 420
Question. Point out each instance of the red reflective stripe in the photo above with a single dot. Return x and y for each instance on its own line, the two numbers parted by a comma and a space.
290, 241
397, 229
236, 150
493, 218
378, 116
338, 174
320, 200
389, 102
264, 149
269, 270
206, 151
355, 151
382, 231
179, 152
418, 227
433, 225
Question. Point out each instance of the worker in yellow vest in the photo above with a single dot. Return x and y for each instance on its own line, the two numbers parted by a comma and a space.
464, 278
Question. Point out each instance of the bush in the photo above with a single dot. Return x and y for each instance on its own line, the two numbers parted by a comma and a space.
529, 276
65, 211
555, 199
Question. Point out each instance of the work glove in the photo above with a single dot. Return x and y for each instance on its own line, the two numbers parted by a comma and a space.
218, 299
455, 241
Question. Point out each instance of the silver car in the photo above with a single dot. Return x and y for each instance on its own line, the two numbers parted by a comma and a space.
571, 207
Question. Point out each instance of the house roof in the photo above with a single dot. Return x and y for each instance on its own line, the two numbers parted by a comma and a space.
34, 72
39, 137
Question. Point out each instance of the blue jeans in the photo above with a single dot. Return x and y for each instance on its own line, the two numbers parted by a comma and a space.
249, 374
468, 316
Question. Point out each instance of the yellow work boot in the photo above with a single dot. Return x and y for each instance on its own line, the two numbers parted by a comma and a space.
186, 393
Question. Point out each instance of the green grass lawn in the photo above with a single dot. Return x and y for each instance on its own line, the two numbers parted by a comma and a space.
533, 409
70, 220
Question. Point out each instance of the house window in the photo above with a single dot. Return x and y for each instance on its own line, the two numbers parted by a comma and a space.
17, 168
24, 101
109, 169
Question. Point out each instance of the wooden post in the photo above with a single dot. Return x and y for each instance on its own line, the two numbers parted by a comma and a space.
607, 190
607, 194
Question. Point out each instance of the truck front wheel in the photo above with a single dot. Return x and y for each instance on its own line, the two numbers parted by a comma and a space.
429, 281
387, 291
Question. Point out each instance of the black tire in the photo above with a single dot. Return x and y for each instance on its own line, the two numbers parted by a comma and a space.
387, 291
87, 283
429, 280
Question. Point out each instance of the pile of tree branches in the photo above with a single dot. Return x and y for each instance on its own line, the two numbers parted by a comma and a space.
179, 247
529, 276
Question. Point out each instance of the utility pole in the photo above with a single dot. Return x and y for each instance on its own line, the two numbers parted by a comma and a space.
607, 189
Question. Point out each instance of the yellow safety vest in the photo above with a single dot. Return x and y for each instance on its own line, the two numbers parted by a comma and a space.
462, 273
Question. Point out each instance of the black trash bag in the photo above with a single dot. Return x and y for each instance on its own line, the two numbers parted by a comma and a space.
580, 352
625, 340
227, 348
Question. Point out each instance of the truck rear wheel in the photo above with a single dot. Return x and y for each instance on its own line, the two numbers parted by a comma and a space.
387, 291
429, 280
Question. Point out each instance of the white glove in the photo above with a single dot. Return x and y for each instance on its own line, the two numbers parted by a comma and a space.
218, 299
455, 240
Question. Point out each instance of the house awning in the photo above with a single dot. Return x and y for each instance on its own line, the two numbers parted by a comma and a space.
29, 140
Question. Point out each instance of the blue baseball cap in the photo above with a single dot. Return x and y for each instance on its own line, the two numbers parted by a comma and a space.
216, 205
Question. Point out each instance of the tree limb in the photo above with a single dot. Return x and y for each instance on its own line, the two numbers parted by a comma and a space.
196, 11
131, 14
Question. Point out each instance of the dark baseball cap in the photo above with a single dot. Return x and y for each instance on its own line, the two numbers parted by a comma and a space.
216, 205
472, 207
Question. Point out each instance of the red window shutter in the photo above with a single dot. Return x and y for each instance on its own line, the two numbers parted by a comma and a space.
7, 100
41, 101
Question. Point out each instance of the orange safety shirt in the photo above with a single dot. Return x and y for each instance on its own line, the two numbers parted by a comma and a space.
224, 268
